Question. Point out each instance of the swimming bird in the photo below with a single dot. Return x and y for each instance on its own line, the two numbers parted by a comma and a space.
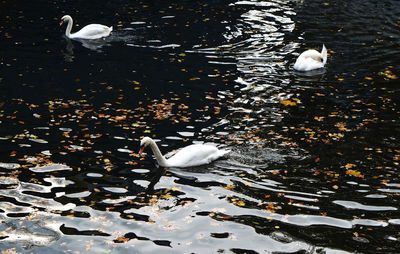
311, 60
90, 32
189, 156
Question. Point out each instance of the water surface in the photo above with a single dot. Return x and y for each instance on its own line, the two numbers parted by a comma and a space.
315, 157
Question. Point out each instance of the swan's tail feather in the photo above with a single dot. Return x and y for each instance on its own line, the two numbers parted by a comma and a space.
111, 28
224, 152
324, 54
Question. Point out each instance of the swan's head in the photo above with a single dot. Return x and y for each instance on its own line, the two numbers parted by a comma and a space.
65, 18
143, 143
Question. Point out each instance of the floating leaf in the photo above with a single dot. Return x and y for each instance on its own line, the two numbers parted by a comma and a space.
354, 173
349, 165
288, 103
388, 74
240, 203
122, 239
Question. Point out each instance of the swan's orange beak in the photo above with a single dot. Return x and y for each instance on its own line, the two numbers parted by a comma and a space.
141, 150
61, 22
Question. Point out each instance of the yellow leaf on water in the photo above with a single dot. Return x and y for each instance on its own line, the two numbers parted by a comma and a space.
391, 76
354, 173
288, 103
166, 196
240, 203
388, 74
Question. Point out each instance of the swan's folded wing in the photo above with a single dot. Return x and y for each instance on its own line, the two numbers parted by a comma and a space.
307, 64
92, 31
195, 155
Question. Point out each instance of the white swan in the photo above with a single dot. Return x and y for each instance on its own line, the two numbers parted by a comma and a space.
189, 156
311, 60
90, 32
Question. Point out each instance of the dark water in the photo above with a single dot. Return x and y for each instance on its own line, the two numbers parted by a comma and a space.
315, 158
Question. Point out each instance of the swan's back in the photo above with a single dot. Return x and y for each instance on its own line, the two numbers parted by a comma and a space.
195, 155
307, 64
311, 60
93, 31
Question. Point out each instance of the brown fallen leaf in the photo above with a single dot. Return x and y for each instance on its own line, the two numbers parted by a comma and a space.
122, 239
354, 173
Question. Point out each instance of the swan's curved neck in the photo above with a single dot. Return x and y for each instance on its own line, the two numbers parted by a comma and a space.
69, 27
159, 157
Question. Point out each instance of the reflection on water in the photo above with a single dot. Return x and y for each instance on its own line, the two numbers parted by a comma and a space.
97, 45
94, 45
314, 159
29, 233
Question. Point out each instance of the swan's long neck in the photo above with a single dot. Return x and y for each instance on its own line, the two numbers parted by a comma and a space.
324, 54
69, 27
159, 157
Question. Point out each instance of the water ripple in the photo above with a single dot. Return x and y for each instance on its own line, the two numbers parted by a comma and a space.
303, 145
356, 205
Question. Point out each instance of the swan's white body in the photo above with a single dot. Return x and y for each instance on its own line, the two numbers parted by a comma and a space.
189, 156
89, 32
311, 60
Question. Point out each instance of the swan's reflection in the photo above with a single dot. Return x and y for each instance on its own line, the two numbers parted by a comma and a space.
125, 36
69, 53
313, 75
94, 45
